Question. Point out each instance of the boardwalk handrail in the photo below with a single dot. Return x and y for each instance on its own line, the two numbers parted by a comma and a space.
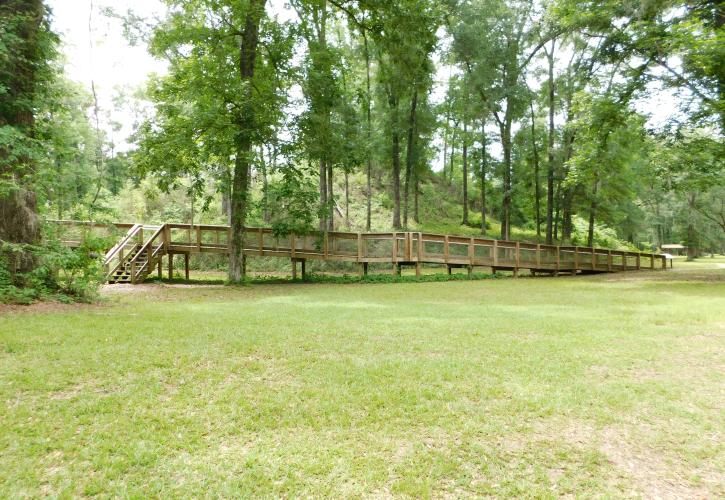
399, 248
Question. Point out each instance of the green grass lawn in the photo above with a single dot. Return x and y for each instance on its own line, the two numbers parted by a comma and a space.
538, 387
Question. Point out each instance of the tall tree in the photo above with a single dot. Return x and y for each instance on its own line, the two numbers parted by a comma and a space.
26, 47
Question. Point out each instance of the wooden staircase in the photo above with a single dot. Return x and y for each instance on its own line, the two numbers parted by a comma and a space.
133, 258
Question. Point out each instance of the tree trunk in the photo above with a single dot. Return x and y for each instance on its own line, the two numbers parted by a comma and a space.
566, 215
323, 196
416, 213
453, 155
537, 186
396, 180
557, 206
19, 221
593, 211
506, 201
368, 147
243, 139
330, 199
395, 138
445, 141
465, 173
692, 240
550, 151
410, 148
347, 199
483, 177
265, 187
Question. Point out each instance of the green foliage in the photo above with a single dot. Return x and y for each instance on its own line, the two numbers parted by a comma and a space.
292, 202
61, 273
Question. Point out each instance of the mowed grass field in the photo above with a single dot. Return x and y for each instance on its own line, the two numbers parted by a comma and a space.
536, 387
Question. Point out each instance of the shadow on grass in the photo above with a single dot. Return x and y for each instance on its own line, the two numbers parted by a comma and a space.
312, 278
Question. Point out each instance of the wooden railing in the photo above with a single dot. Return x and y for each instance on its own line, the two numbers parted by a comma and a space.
397, 248
149, 254
117, 255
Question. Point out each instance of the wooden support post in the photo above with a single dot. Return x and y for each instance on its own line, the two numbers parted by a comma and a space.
303, 264
538, 256
558, 260
495, 255
292, 245
360, 269
576, 260
639, 261
420, 247
260, 241
471, 252
171, 265
396, 269
446, 251
518, 259
359, 247
417, 269
294, 269
470, 272
624, 261
652, 261
186, 265
395, 249
609, 261
158, 267
450, 269
365, 268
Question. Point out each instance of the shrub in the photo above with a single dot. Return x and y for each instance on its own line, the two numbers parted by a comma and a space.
62, 273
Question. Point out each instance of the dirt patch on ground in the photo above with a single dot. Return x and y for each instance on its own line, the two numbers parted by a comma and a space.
46, 307
651, 472
684, 275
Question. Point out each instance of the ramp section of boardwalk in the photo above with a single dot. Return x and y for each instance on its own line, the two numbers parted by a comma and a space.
140, 249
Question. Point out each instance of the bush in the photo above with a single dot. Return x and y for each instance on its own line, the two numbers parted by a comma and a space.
61, 273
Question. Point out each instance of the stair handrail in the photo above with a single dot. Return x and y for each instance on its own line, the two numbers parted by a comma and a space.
145, 250
111, 254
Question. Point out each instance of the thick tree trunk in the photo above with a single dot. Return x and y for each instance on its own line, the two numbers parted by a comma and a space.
465, 173
410, 149
19, 223
243, 140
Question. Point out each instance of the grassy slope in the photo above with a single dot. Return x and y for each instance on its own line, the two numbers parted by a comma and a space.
536, 387
440, 211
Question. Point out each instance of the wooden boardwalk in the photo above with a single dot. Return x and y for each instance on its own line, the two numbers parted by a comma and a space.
140, 250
